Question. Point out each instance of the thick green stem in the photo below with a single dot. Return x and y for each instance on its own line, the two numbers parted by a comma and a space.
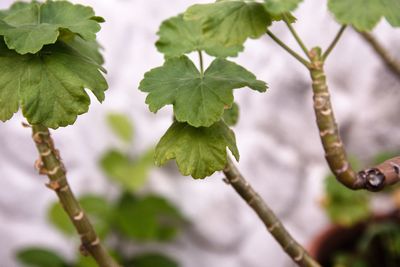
50, 163
334, 42
267, 216
392, 64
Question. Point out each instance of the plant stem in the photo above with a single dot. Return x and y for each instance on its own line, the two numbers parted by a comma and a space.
288, 49
334, 42
392, 64
50, 163
201, 62
295, 35
274, 226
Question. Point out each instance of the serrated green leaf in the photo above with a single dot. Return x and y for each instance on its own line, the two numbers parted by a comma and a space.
132, 175
39, 257
121, 126
151, 260
231, 115
199, 152
49, 86
197, 99
281, 6
28, 27
97, 208
89, 49
344, 206
365, 14
231, 22
179, 36
151, 218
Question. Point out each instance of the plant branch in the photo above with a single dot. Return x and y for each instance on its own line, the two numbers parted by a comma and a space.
295, 35
392, 64
274, 226
50, 164
334, 42
201, 62
288, 49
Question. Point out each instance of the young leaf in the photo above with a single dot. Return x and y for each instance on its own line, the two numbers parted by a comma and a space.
365, 14
151, 218
49, 86
121, 126
231, 22
28, 27
281, 6
179, 36
231, 115
151, 260
198, 99
38, 257
199, 152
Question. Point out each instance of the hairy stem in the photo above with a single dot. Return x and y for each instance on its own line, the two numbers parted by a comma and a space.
274, 226
50, 164
288, 49
334, 42
295, 35
392, 64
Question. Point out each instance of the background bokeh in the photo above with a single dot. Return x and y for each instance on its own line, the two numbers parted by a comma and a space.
280, 149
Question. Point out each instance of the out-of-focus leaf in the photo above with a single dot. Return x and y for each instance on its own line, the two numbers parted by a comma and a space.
349, 260
39, 257
281, 6
97, 208
151, 260
231, 115
121, 126
85, 262
130, 174
151, 218
388, 234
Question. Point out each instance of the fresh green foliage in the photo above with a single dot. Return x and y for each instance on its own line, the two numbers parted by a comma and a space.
199, 152
131, 174
344, 206
121, 126
147, 218
97, 208
231, 115
281, 6
365, 14
38, 257
28, 27
231, 22
151, 260
179, 36
198, 98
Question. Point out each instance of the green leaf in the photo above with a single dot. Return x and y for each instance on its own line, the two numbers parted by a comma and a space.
89, 49
50, 86
231, 115
121, 126
28, 27
365, 14
86, 262
199, 152
231, 22
151, 218
344, 206
179, 36
151, 260
281, 6
132, 175
96, 208
39, 257
197, 99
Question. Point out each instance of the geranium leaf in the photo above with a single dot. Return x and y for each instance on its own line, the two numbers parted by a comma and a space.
28, 27
365, 14
197, 99
231, 115
281, 6
49, 86
199, 152
231, 22
179, 36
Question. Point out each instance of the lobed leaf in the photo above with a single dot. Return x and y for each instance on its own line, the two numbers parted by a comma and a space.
198, 99
231, 115
281, 6
199, 152
365, 14
28, 27
231, 22
179, 36
49, 86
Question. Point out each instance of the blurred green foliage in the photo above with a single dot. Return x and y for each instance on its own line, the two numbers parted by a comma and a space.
121, 125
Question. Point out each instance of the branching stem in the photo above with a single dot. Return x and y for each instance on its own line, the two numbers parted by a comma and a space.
267, 216
50, 163
334, 42
295, 35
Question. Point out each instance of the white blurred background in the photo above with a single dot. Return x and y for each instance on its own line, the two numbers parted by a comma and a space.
280, 149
